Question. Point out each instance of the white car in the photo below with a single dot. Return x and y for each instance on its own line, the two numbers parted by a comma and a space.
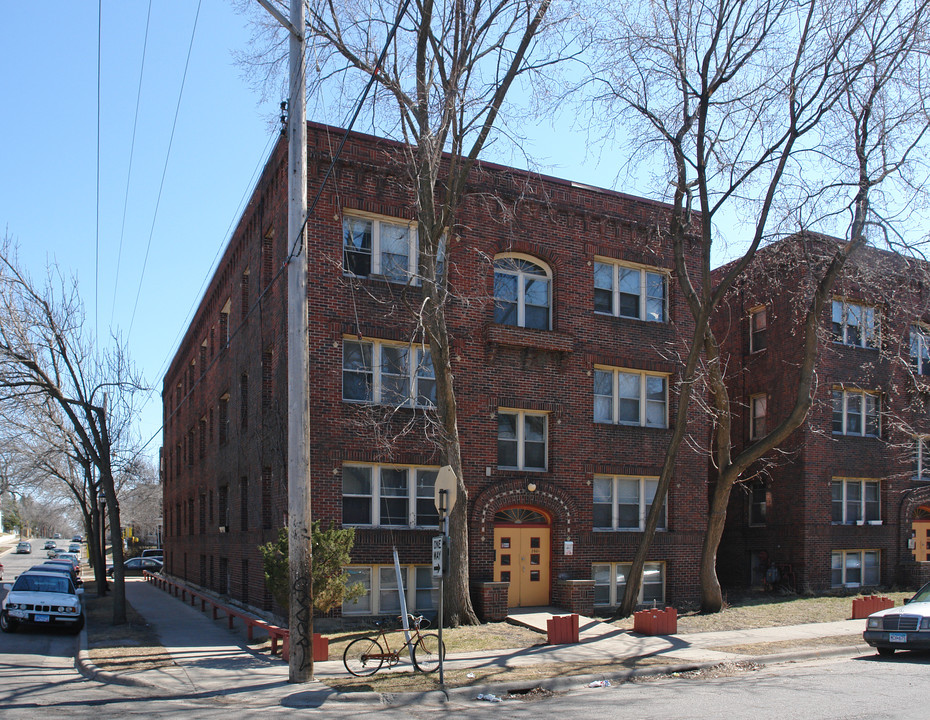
42, 598
906, 627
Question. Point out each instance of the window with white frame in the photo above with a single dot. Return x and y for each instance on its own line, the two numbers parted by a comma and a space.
610, 583
379, 246
388, 496
853, 568
381, 597
854, 324
856, 412
623, 503
522, 292
921, 459
630, 291
374, 371
521, 440
630, 397
758, 325
855, 501
758, 405
920, 349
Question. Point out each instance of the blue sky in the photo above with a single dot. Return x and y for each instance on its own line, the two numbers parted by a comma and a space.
222, 135
49, 200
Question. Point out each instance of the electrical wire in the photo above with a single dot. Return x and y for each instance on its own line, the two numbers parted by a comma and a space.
295, 245
132, 150
164, 173
97, 222
237, 214
295, 249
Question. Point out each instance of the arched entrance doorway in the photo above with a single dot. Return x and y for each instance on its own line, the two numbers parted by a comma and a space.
921, 528
523, 554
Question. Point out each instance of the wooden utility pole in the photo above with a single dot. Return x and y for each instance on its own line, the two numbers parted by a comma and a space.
298, 361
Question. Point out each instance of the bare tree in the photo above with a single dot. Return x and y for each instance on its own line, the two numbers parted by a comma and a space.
440, 87
46, 353
784, 114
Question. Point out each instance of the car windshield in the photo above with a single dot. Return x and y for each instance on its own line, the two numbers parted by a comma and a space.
923, 595
42, 583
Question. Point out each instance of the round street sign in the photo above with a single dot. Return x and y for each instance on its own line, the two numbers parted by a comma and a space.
446, 480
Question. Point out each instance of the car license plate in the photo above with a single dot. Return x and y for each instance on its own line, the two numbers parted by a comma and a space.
897, 637
41, 618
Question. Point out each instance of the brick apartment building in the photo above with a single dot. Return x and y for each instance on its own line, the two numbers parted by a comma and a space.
846, 503
565, 388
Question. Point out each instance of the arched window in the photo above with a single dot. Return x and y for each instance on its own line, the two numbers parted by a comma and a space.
522, 295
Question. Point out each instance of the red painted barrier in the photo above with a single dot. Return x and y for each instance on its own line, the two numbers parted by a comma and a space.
656, 622
562, 629
276, 634
865, 606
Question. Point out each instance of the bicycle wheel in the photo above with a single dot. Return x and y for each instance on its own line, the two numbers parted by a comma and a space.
363, 657
426, 653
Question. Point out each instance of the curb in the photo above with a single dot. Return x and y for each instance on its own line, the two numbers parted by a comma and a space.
564, 684
316, 697
88, 669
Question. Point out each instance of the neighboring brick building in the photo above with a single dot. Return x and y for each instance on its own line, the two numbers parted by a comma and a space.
565, 388
838, 505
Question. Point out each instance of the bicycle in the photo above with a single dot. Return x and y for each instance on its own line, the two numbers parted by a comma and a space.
366, 655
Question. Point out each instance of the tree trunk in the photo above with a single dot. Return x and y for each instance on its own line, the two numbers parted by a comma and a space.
711, 593
457, 604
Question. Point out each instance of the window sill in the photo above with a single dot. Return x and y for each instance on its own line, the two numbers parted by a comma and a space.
620, 530
503, 468
630, 425
856, 347
625, 318
512, 336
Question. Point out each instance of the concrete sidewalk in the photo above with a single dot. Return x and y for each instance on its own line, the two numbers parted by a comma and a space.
213, 661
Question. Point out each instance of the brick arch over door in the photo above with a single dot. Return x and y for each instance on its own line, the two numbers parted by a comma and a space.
560, 506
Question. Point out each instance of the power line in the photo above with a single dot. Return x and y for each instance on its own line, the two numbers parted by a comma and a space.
97, 222
132, 151
263, 160
164, 171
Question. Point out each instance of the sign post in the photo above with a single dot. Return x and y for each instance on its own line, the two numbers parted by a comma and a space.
444, 494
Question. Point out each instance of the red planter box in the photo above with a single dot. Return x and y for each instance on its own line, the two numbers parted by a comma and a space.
656, 622
562, 629
865, 606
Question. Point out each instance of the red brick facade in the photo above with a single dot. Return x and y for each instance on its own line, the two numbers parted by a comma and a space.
224, 404
805, 532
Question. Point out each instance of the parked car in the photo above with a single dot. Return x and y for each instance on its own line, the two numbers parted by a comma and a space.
1, 571
77, 538
53, 553
138, 565
24, 548
50, 545
153, 552
56, 536
906, 627
75, 560
74, 548
63, 566
42, 598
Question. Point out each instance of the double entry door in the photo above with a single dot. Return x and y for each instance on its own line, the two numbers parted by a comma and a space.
522, 558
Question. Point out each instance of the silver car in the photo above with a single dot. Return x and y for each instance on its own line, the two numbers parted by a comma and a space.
906, 627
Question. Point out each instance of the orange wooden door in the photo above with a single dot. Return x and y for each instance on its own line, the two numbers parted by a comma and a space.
522, 558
